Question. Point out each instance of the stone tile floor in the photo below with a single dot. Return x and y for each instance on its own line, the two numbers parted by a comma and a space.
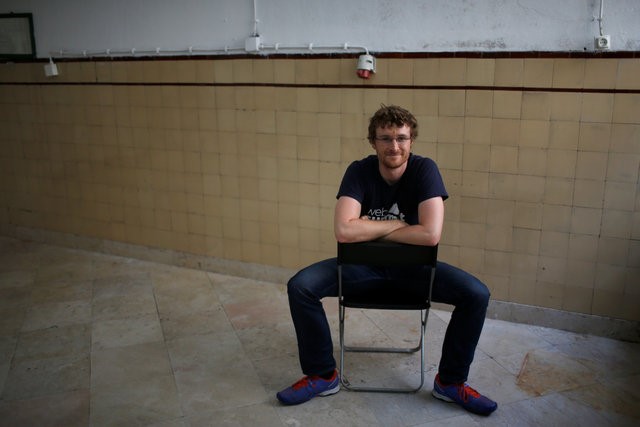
89, 339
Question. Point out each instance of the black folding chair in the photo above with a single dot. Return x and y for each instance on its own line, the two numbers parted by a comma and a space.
393, 297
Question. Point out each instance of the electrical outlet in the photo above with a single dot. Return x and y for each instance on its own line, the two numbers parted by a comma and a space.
602, 42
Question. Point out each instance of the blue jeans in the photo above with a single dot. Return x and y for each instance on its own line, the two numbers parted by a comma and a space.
451, 286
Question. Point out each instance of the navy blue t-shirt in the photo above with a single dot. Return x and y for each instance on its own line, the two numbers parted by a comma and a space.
380, 201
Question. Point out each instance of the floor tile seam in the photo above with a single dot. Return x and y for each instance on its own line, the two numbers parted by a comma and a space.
212, 286
46, 395
171, 373
10, 364
506, 367
157, 310
224, 309
236, 331
91, 336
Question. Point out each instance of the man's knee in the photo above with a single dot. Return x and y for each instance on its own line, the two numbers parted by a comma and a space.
481, 293
304, 285
315, 281
294, 285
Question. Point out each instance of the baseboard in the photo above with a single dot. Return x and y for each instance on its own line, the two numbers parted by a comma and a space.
619, 329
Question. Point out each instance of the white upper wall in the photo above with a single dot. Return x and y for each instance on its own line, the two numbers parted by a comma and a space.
379, 25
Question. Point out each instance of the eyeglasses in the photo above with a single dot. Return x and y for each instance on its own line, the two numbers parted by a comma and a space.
388, 139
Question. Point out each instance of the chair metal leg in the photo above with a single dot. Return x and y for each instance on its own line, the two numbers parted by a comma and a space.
421, 346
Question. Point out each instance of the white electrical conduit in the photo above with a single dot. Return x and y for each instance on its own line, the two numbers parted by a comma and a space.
138, 52
311, 47
255, 19
264, 49
600, 17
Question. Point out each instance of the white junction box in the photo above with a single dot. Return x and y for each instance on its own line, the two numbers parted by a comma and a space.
252, 44
603, 42
51, 69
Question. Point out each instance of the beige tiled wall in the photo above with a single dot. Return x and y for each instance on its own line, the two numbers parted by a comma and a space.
241, 158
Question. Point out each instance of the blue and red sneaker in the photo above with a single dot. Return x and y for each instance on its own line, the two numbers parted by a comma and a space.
308, 388
465, 396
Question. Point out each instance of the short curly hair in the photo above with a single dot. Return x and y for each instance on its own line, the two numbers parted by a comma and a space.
392, 115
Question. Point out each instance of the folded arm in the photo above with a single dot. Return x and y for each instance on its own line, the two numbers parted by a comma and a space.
349, 226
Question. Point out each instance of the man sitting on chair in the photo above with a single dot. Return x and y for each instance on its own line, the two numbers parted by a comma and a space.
396, 196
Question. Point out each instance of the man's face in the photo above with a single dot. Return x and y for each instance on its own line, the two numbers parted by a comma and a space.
393, 145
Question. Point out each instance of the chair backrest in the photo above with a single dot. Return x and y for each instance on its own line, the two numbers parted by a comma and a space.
386, 254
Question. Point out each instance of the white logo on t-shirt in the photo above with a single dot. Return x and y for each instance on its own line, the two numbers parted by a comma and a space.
382, 214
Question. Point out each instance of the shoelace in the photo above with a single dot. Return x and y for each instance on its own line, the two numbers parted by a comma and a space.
464, 391
301, 383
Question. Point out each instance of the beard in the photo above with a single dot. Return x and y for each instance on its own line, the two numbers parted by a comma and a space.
394, 161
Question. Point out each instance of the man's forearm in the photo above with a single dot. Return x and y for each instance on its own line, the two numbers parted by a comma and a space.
364, 229
412, 234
